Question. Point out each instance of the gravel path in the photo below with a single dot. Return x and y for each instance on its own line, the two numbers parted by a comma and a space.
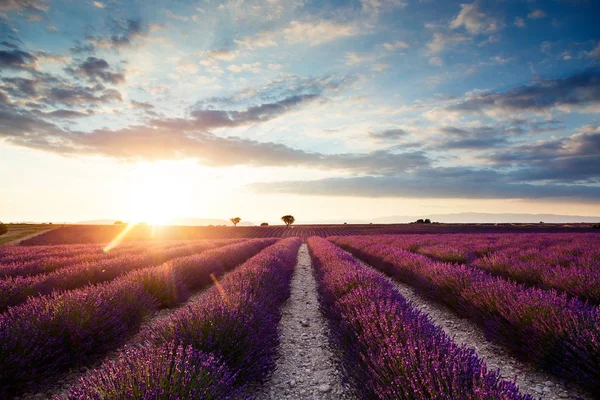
306, 369
532, 381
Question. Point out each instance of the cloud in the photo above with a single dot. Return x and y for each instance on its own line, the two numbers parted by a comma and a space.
441, 41
16, 59
352, 58
519, 22
221, 54
255, 68
375, 6
96, 69
98, 4
124, 32
66, 114
536, 14
260, 40
474, 20
190, 136
389, 134
380, 67
433, 183
436, 61
140, 105
595, 52
567, 94
176, 17
396, 45
319, 32
23, 5
569, 159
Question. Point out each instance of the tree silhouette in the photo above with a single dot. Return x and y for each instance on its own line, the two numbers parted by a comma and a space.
3, 228
235, 220
288, 219
264, 224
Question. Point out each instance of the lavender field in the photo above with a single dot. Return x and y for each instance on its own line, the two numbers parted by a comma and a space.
404, 316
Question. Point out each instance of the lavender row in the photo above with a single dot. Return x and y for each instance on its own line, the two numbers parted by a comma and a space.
389, 350
214, 348
47, 335
41, 263
569, 266
547, 328
582, 282
20, 254
14, 291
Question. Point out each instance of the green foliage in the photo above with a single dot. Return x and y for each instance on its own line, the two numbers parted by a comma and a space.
3, 228
235, 220
288, 219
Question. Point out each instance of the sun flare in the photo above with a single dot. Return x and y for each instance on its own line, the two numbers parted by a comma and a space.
162, 191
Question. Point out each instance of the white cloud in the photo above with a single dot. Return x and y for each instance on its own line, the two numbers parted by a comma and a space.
221, 54
98, 4
255, 68
375, 6
519, 22
396, 45
441, 41
380, 67
316, 33
260, 40
177, 17
536, 14
474, 20
352, 58
436, 61
187, 67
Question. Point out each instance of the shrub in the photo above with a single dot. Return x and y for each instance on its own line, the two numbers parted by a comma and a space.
3, 228
596, 226
264, 224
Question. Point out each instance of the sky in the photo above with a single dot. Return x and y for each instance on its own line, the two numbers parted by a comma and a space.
150, 110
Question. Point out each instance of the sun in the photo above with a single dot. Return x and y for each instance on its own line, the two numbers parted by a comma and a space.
160, 192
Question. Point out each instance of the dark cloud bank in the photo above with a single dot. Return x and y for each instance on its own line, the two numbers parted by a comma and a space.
562, 168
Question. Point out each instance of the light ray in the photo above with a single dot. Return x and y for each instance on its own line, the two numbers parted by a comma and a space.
119, 238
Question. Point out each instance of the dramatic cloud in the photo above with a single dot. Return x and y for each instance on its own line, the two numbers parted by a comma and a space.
16, 59
474, 20
124, 32
567, 159
433, 183
574, 92
96, 69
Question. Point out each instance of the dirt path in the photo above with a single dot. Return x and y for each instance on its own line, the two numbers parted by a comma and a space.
530, 380
18, 241
306, 369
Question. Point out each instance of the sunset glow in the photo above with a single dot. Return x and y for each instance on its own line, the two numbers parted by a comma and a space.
366, 108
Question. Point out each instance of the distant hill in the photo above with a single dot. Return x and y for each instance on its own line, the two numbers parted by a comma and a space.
176, 221
475, 218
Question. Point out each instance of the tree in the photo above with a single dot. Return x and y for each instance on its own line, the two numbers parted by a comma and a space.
288, 219
118, 223
596, 226
235, 220
3, 228
427, 221
264, 224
